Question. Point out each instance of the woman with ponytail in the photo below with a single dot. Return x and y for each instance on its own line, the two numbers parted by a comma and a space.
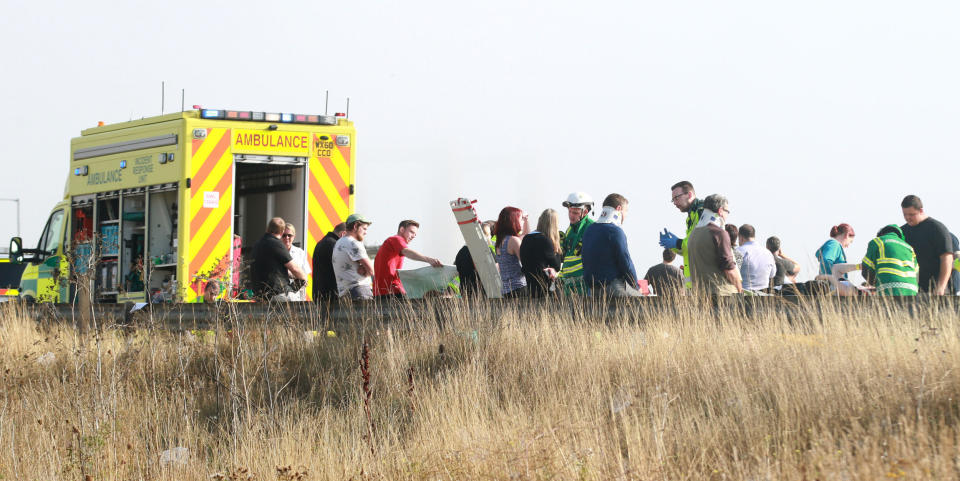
831, 252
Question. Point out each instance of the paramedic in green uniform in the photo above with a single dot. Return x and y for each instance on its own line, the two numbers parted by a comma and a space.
890, 264
685, 199
578, 205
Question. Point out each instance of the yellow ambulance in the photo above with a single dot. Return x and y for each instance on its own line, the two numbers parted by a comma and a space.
156, 208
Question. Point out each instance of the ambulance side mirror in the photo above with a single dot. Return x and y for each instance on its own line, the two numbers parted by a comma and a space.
16, 250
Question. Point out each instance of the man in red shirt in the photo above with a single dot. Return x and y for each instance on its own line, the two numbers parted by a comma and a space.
389, 260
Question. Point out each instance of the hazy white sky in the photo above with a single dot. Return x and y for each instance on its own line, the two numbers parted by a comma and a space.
804, 114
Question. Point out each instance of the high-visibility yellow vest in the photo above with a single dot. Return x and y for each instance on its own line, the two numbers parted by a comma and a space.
693, 218
572, 244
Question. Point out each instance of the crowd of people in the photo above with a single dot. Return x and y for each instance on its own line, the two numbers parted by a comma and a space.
591, 256
920, 256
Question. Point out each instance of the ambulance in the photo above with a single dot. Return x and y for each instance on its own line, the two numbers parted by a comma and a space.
155, 209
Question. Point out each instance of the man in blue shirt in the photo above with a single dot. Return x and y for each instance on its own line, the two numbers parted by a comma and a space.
607, 266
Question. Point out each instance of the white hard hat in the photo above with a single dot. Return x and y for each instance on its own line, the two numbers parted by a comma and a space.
578, 199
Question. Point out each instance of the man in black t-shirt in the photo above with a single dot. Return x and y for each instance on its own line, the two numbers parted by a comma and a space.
271, 262
665, 278
933, 245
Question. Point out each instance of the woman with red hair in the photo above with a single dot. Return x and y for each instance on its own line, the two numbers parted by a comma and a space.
831, 252
512, 225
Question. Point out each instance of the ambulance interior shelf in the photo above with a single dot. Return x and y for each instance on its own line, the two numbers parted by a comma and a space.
108, 250
134, 243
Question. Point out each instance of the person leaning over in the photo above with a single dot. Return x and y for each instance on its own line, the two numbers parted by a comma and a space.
607, 266
890, 264
759, 267
324, 281
272, 263
665, 278
351, 264
712, 268
389, 260
685, 199
933, 245
541, 254
299, 257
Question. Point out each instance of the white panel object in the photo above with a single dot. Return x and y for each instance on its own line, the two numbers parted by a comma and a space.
479, 248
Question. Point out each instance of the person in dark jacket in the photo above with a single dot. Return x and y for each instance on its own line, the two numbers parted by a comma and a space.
607, 266
541, 254
324, 282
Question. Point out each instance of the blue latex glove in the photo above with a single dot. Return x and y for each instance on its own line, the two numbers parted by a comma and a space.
668, 240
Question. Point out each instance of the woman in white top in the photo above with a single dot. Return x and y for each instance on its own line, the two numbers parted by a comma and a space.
299, 257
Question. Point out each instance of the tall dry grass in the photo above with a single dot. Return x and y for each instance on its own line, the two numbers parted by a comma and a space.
683, 393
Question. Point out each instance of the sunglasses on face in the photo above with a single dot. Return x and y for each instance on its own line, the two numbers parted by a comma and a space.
288, 236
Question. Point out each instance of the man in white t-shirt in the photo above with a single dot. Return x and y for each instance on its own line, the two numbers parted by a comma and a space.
351, 264
759, 268
299, 258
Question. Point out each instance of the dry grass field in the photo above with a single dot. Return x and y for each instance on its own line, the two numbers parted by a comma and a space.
870, 393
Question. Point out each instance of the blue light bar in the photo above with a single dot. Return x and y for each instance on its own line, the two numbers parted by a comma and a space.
123, 164
76, 171
286, 117
211, 114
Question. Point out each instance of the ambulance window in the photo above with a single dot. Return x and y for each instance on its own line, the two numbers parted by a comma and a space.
52, 234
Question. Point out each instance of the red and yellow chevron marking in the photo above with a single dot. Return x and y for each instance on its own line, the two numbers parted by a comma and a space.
328, 203
209, 249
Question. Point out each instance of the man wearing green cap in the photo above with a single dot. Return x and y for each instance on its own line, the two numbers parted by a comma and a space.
890, 263
351, 264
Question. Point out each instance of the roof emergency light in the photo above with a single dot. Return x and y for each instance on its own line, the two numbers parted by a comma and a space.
271, 116
211, 114
237, 115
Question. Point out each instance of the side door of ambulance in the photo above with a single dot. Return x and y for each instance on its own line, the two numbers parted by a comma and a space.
52, 267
